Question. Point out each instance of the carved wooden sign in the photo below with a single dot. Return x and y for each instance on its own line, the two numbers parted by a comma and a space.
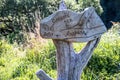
71, 26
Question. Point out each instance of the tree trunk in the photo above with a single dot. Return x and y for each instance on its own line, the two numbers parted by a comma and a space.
70, 64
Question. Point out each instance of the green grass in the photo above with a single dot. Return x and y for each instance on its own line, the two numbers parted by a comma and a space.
105, 62
18, 63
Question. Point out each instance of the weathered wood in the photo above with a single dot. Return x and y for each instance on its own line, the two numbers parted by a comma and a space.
42, 75
62, 5
69, 63
65, 27
71, 26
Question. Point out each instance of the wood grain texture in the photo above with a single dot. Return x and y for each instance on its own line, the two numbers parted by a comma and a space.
72, 26
70, 64
65, 27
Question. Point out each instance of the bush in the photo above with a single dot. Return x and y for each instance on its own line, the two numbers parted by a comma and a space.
17, 63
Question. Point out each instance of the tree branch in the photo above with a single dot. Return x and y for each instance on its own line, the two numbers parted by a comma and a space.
87, 51
42, 75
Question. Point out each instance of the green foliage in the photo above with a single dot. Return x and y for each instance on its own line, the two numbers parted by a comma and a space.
46, 55
4, 48
19, 17
105, 62
20, 14
82, 4
21, 64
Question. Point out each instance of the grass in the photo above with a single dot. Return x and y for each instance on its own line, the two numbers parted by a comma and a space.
18, 63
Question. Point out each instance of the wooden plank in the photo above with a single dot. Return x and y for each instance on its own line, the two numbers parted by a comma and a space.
71, 26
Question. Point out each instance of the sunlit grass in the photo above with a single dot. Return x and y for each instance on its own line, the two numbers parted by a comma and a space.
20, 62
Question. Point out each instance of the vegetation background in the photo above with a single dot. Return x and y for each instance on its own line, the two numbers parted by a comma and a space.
23, 51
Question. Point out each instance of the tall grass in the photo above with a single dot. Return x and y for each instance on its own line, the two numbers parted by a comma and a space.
18, 63
105, 62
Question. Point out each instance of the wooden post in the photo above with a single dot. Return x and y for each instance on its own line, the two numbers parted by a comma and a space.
65, 27
70, 64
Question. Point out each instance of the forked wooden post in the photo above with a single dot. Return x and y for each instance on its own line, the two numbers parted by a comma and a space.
66, 27
69, 63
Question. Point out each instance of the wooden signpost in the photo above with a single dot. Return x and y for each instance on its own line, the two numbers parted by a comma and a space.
72, 26
65, 27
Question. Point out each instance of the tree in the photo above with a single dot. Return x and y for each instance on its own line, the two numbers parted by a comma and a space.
18, 16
